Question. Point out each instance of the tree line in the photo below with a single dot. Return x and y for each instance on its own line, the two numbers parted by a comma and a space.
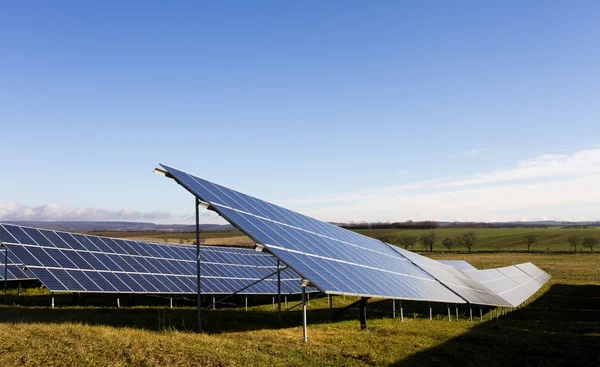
429, 239
468, 240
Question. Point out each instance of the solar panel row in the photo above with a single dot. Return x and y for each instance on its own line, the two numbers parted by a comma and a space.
339, 261
65, 261
335, 260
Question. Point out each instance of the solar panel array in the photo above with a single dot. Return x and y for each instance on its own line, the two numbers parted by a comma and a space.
453, 278
502, 285
72, 262
534, 272
339, 261
335, 260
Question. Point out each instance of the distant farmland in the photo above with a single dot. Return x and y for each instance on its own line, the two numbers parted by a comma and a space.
489, 239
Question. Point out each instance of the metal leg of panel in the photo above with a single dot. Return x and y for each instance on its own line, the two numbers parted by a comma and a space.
246, 302
278, 292
118, 302
430, 312
401, 312
52, 301
393, 308
449, 317
470, 313
304, 333
363, 313
480, 314
307, 299
214, 305
285, 298
198, 279
456, 313
170, 302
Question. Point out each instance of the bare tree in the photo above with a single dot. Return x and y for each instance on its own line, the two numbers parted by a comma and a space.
529, 240
407, 241
574, 241
589, 242
428, 240
467, 240
387, 238
448, 243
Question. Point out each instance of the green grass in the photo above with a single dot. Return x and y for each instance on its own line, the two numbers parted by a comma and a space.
559, 327
499, 239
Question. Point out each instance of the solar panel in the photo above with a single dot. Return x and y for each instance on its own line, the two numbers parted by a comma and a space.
65, 261
459, 264
333, 259
534, 272
521, 278
472, 291
501, 284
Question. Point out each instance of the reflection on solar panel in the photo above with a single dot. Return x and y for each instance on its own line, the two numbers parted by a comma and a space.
459, 264
73, 262
501, 285
534, 272
335, 260
472, 291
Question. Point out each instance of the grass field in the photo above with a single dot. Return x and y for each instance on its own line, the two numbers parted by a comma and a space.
561, 326
489, 239
500, 239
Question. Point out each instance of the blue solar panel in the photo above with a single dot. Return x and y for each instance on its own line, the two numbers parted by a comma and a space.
87, 269
333, 259
18, 233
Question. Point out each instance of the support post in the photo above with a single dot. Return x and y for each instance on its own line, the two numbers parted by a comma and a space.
393, 308
456, 313
401, 312
273, 306
480, 314
449, 318
5, 271
170, 302
246, 302
278, 292
52, 301
286, 303
470, 313
304, 334
118, 303
363, 313
198, 285
430, 312
308, 299
214, 303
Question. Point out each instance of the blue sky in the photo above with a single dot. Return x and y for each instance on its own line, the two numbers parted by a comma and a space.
380, 111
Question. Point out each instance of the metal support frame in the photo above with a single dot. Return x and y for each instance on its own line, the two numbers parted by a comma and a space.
278, 292
393, 308
304, 333
456, 313
198, 282
449, 317
480, 314
430, 312
401, 312
244, 288
470, 313
5, 271
363, 313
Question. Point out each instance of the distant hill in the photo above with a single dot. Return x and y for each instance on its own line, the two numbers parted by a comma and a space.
85, 226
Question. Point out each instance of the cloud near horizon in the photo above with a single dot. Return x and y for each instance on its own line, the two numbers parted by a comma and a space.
57, 212
548, 187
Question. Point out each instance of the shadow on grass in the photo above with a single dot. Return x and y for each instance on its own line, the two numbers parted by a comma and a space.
561, 327
153, 313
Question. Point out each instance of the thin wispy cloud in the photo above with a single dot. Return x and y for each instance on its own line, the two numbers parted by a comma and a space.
58, 212
559, 186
